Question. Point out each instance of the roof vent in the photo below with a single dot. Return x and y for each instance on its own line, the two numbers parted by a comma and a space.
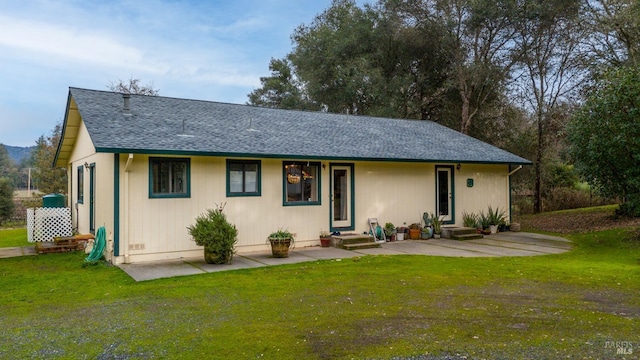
126, 109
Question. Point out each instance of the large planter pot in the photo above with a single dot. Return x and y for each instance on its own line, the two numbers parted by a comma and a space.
211, 257
280, 247
325, 242
493, 229
426, 233
414, 234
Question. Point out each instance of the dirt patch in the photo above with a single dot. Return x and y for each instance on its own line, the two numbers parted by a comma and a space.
576, 221
614, 303
332, 343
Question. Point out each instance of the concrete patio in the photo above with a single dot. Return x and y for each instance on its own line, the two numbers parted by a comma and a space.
502, 244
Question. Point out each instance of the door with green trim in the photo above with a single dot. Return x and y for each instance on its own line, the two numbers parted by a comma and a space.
445, 193
342, 197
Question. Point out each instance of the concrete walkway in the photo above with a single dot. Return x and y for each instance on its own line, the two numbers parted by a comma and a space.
17, 251
503, 244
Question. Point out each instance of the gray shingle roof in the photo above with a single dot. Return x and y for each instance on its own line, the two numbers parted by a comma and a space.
168, 125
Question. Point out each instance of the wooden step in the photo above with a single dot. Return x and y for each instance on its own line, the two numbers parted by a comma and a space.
52, 247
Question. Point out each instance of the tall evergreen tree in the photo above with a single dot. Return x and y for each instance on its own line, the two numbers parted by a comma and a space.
47, 178
282, 89
7, 206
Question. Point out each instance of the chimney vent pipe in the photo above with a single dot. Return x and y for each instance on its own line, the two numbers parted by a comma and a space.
127, 104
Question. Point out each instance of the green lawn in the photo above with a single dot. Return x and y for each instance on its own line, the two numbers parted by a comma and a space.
378, 307
13, 237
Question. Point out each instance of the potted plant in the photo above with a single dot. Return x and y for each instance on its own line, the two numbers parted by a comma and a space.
483, 221
281, 242
216, 234
437, 225
325, 239
496, 217
390, 231
427, 230
414, 231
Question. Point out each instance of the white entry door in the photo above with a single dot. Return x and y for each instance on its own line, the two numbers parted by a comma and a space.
444, 192
341, 197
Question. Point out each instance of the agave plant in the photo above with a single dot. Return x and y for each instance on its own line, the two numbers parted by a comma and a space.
496, 217
470, 219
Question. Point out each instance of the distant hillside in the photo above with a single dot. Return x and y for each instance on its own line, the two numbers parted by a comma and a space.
17, 153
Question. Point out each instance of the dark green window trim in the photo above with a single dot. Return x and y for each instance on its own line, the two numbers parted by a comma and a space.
168, 174
308, 182
452, 190
243, 169
80, 184
116, 204
352, 188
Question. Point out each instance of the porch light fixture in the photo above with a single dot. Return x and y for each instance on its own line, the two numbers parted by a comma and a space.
86, 165
458, 167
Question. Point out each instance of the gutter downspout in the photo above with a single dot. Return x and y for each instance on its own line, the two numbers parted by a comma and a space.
125, 243
514, 170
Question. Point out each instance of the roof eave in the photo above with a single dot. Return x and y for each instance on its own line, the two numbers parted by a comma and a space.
298, 156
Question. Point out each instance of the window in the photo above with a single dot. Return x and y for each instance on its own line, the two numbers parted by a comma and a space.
80, 184
243, 178
169, 178
301, 183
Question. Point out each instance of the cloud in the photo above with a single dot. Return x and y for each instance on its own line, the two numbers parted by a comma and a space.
42, 42
210, 50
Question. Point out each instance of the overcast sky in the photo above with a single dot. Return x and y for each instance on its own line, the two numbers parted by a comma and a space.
209, 50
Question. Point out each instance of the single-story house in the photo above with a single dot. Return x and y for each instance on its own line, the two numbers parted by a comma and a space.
146, 166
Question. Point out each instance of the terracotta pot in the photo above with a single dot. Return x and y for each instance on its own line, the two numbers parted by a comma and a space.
414, 234
280, 247
325, 242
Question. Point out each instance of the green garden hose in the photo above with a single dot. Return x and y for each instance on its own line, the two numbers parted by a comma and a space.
98, 246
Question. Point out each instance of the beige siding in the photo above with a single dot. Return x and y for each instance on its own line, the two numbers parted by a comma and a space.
155, 228
83, 152
393, 192
490, 187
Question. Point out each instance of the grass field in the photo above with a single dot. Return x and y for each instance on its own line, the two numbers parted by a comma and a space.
572, 305
13, 237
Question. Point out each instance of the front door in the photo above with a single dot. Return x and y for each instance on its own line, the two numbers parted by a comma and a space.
341, 197
444, 192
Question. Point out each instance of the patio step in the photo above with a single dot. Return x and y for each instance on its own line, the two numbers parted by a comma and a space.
360, 246
460, 233
354, 241
473, 236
